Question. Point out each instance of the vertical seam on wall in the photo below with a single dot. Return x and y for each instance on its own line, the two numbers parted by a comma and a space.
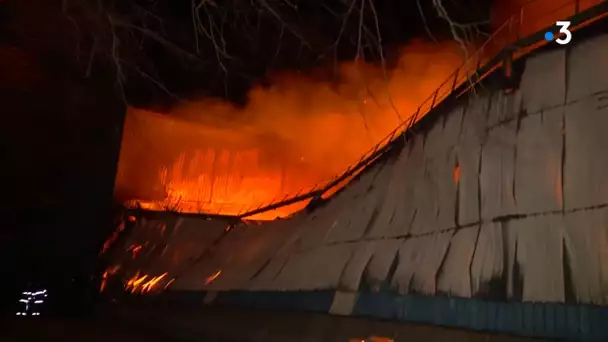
567, 50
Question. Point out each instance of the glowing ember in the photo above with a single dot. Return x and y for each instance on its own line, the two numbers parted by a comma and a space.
373, 339
212, 277
169, 283
138, 281
113, 237
144, 283
150, 284
134, 249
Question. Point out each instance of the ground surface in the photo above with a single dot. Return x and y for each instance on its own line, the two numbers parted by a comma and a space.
205, 325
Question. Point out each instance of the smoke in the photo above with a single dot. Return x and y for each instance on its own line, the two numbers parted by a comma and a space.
299, 131
302, 130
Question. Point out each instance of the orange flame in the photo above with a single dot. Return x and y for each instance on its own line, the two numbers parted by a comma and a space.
214, 157
113, 237
147, 287
211, 156
134, 249
457, 174
169, 283
372, 339
139, 284
212, 277
106, 274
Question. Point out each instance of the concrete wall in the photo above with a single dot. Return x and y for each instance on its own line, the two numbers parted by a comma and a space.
503, 199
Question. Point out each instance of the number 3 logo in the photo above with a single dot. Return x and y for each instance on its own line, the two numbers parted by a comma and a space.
563, 25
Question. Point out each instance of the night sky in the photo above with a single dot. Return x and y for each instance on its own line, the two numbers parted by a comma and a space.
63, 100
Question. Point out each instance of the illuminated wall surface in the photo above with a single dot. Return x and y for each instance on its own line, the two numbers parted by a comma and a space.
494, 218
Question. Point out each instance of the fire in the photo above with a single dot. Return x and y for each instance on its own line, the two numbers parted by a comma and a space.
169, 283
211, 156
372, 339
139, 284
212, 277
150, 284
112, 238
106, 274
134, 249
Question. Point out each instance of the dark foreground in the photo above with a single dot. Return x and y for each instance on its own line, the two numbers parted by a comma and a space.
220, 325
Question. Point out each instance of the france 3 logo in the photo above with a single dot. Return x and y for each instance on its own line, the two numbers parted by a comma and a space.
564, 36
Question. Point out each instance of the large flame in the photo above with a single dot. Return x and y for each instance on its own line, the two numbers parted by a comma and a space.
211, 156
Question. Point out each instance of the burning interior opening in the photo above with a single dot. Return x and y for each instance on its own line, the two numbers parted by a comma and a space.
213, 157
210, 156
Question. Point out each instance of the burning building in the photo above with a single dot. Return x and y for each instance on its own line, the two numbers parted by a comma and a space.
471, 220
